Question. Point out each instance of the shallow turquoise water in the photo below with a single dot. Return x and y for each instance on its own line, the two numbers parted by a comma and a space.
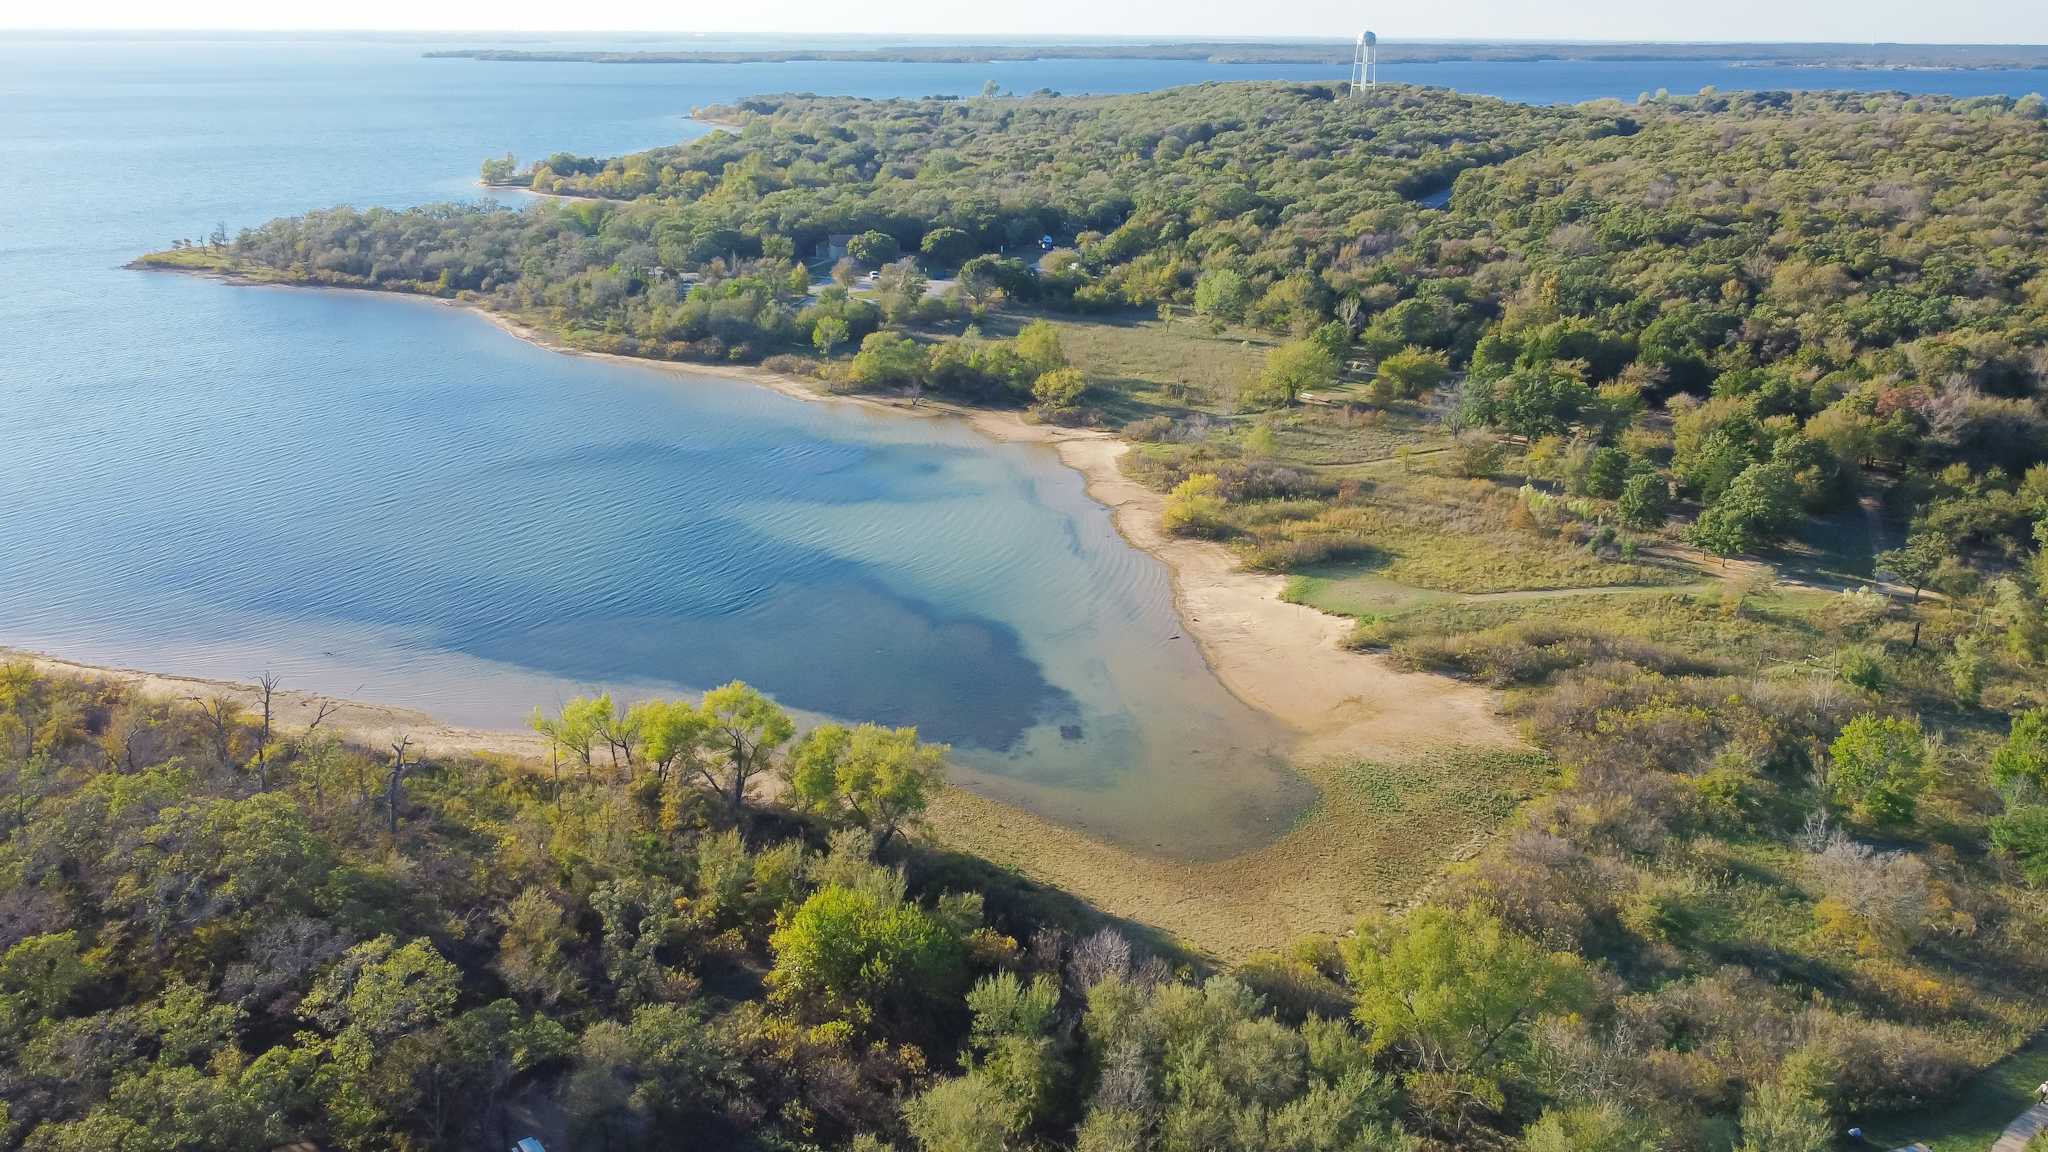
392, 500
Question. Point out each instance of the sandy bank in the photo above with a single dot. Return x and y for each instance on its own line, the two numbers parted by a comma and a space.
373, 725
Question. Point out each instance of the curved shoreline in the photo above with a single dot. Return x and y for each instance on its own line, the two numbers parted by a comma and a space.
1284, 659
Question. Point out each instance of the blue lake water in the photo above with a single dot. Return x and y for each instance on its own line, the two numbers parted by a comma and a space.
394, 500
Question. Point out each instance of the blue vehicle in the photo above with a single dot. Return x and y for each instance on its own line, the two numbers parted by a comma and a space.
529, 1144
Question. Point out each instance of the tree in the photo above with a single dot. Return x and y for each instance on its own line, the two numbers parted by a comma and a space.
1457, 991
901, 287
42, 972
1915, 563
828, 334
1290, 370
853, 955
988, 278
887, 358
671, 733
1409, 373
1531, 402
1879, 767
946, 247
873, 249
1059, 390
384, 989
1606, 473
1754, 511
743, 728
1645, 499
536, 950
873, 777
1038, 346
1222, 295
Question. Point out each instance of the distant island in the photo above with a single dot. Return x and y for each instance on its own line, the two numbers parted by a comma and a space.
1331, 52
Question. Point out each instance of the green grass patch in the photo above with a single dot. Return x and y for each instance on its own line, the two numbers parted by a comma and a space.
1979, 1113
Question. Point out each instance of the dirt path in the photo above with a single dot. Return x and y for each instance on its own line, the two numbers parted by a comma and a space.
2021, 1132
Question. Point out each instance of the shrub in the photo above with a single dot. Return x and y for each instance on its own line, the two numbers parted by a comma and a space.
1149, 430
1879, 768
2022, 836
1194, 508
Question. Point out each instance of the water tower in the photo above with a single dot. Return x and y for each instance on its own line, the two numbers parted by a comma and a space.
1365, 63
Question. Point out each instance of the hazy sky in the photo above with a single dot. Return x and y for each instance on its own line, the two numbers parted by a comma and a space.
1990, 21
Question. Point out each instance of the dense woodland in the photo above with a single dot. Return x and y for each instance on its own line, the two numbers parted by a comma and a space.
1790, 875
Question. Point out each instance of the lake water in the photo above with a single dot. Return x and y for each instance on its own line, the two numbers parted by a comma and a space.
394, 500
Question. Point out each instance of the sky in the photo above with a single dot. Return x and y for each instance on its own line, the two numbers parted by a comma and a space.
1944, 21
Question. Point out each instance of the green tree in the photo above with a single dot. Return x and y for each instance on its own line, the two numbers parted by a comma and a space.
828, 334
1038, 346
947, 247
742, 730
536, 951
1458, 992
1290, 370
1754, 511
1409, 373
887, 358
1645, 499
1222, 295
873, 248
1059, 390
875, 778
41, 973
853, 955
1590, 1128
672, 732
1915, 563
1879, 768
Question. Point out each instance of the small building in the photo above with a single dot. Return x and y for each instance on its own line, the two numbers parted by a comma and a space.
833, 247
528, 1144
1045, 242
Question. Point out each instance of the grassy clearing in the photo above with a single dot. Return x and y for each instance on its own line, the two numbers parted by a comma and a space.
1378, 838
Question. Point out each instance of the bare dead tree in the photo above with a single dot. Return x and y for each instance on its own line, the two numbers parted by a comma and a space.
266, 695
222, 716
396, 781
323, 709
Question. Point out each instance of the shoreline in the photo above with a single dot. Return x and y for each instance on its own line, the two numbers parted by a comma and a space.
1283, 659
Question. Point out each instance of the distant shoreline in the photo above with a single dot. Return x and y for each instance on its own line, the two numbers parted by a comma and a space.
1330, 53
